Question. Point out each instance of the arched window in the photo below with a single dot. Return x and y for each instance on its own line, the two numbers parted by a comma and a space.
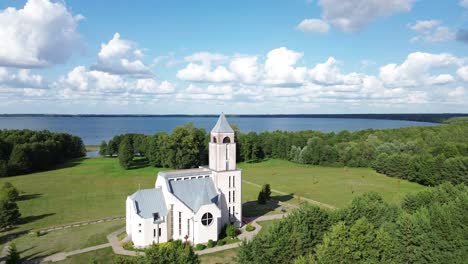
214, 139
207, 219
226, 140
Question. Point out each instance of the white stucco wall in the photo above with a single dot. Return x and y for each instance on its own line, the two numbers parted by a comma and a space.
222, 183
204, 233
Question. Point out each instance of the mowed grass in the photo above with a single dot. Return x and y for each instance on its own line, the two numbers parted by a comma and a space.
222, 257
32, 246
333, 186
84, 189
95, 188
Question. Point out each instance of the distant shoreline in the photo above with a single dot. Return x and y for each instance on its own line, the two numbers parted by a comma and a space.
433, 118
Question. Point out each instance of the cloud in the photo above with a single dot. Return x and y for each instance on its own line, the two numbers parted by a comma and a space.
463, 73
353, 15
458, 92
422, 26
206, 58
431, 31
20, 79
97, 85
464, 3
152, 87
122, 57
280, 67
245, 68
314, 25
462, 36
416, 69
40, 34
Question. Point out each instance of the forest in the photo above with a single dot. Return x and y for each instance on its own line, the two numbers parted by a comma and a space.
426, 155
427, 227
25, 151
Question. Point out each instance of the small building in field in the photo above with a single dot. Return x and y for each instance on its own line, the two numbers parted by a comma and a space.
191, 205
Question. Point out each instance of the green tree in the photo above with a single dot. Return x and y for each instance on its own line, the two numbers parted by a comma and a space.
172, 252
9, 191
358, 243
266, 191
19, 159
126, 153
103, 149
261, 198
3, 168
288, 238
9, 212
13, 256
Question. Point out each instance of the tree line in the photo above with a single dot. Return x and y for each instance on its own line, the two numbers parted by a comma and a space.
427, 227
426, 155
25, 151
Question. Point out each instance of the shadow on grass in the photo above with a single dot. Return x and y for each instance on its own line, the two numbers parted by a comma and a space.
32, 218
26, 197
253, 209
139, 163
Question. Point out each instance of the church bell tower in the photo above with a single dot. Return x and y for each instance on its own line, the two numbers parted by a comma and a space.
227, 178
222, 146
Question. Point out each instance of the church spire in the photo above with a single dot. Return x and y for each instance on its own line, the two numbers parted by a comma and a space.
222, 126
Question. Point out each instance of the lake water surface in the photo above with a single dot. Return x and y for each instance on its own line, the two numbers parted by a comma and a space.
95, 129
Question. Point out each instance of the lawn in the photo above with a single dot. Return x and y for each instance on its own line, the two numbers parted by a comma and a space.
32, 246
105, 255
82, 189
333, 186
94, 188
265, 225
221, 257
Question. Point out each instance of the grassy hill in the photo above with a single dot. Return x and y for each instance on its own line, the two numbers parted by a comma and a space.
333, 186
95, 188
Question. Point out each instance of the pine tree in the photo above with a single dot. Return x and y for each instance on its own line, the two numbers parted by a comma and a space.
266, 191
13, 256
126, 153
103, 148
9, 212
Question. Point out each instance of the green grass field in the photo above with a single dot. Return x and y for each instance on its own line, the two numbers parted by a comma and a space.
333, 186
64, 240
81, 190
95, 188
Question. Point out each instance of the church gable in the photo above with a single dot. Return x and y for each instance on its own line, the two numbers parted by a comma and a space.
194, 193
148, 202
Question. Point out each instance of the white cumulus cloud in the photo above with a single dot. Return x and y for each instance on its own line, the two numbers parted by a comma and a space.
40, 34
313, 25
352, 15
120, 56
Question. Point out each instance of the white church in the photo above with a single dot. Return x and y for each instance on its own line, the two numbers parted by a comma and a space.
192, 204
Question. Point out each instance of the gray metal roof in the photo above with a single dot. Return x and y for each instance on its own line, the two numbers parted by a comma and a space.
195, 193
222, 126
149, 201
184, 173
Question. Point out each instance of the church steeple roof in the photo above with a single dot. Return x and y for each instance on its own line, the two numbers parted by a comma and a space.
222, 126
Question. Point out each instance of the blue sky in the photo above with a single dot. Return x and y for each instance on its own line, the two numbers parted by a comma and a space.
266, 56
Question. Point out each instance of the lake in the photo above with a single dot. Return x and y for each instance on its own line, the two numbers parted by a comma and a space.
95, 129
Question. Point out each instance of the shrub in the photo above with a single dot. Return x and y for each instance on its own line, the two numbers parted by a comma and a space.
211, 243
37, 233
127, 245
200, 247
249, 228
261, 198
221, 242
231, 231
